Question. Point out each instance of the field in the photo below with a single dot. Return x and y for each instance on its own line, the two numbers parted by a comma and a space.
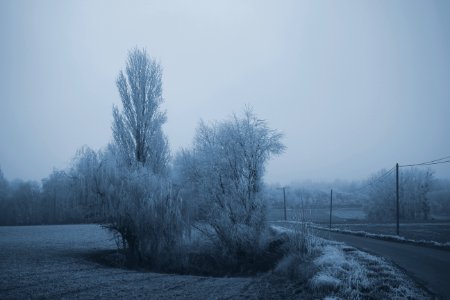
55, 262
318, 215
354, 219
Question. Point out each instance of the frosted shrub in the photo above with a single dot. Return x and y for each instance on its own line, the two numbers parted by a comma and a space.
147, 214
223, 174
141, 207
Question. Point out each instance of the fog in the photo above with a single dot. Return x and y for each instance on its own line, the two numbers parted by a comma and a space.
354, 86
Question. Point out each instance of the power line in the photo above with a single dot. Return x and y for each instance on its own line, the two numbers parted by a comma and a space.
372, 182
442, 160
427, 164
437, 163
431, 162
376, 180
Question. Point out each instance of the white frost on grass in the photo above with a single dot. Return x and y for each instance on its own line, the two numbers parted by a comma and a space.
331, 256
397, 282
323, 281
338, 271
347, 273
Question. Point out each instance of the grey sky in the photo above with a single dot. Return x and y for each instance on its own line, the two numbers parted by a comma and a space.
354, 85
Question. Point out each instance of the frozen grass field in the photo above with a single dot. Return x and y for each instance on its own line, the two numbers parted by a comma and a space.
318, 215
54, 262
57, 262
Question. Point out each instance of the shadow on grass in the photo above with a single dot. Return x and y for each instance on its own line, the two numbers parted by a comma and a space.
209, 262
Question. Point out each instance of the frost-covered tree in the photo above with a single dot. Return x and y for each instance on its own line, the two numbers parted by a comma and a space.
126, 187
140, 207
60, 199
4, 186
25, 198
5, 215
225, 170
84, 172
137, 128
415, 185
380, 205
440, 198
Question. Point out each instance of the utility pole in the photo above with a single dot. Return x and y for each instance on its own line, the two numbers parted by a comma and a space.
331, 205
397, 196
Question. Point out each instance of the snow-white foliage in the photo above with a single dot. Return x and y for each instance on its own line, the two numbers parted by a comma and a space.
331, 256
352, 274
137, 128
142, 207
126, 187
332, 265
224, 171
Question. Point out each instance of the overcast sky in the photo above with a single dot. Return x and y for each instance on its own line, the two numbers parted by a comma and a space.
355, 86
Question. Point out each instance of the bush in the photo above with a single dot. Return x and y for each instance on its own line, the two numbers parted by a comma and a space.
141, 207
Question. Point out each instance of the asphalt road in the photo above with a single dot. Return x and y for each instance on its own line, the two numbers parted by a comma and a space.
430, 267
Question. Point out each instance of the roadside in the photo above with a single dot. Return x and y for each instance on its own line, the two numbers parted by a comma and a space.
344, 272
430, 267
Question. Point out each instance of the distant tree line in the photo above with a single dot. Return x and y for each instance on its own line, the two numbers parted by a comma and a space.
53, 201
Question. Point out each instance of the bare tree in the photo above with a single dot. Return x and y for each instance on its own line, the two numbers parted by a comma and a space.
137, 128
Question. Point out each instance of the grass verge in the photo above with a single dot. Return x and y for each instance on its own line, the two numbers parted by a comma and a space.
333, 270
